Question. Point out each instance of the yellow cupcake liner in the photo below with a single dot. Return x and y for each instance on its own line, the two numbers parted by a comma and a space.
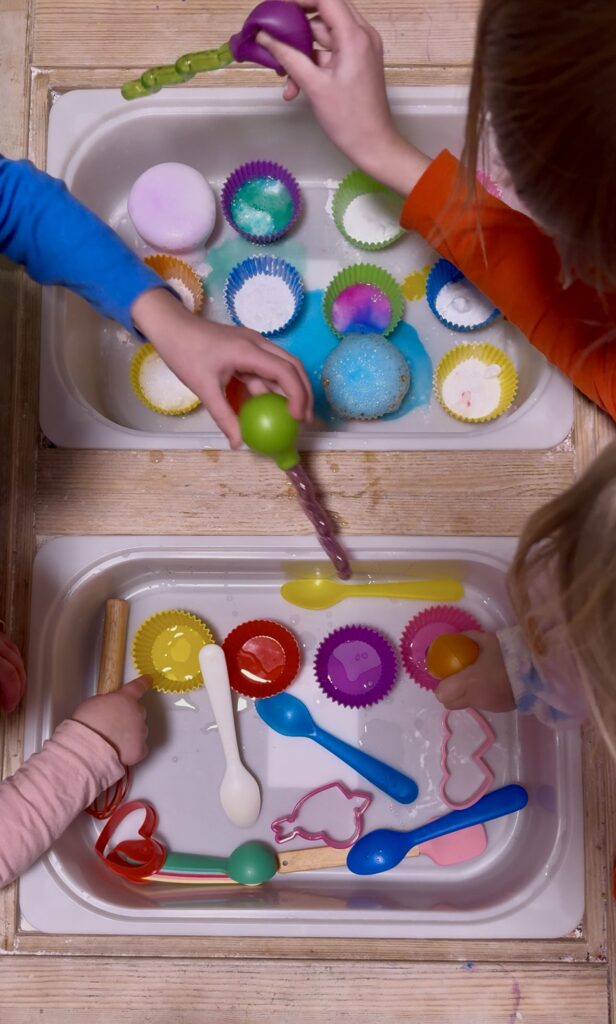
488, 354
166, 647
358, 184
169, 267
143, 353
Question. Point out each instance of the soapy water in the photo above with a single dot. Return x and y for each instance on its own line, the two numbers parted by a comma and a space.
221, 259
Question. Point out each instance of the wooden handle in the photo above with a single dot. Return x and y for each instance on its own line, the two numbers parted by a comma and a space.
115, 627
311, 859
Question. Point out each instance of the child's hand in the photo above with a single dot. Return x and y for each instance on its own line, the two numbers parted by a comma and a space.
483, 685
120, 719
346, 87
12, 675
205, 355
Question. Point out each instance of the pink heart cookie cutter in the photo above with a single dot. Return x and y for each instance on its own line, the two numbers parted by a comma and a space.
279, 825
477, 756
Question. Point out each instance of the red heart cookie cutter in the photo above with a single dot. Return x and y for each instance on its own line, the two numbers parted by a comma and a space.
134, 859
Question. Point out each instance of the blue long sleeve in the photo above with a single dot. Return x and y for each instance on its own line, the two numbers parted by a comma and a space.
59, 241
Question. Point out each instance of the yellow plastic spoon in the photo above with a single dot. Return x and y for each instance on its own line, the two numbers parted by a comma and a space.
318, 592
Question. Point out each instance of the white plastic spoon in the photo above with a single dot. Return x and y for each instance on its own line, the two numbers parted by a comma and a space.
239, 790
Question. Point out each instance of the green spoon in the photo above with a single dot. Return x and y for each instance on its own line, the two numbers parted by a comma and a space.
249, 864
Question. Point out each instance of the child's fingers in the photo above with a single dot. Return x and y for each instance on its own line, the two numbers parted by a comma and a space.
307, 5
338, 15
291, 90
254, 384
452, 693
297, 365
321, 33
137, 687
223, 416
300, 67
273, 364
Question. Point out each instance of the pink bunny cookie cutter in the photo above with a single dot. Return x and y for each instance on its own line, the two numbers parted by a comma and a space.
477, 757
357, 798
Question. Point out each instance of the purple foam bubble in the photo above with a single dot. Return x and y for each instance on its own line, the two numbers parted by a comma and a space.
361, 309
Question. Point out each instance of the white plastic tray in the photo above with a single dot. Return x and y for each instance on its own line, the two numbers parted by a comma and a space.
529, 881
100, 144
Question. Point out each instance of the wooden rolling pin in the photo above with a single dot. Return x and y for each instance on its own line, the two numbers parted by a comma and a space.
110, 677
115, 628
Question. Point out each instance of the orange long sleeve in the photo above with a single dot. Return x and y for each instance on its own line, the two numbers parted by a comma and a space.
518, 268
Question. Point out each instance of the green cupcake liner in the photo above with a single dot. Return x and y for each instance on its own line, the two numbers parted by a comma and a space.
365, 273
358, 184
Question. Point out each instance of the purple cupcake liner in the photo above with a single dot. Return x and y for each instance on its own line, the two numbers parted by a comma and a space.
341, 674
422, 630
248, 172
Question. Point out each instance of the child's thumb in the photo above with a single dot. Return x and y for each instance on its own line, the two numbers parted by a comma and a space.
137, 687
451, 692
296, 64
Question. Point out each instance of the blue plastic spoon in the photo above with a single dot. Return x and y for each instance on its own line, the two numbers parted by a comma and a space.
290, 717
382, 849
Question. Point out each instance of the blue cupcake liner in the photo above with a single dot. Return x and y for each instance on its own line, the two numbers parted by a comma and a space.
272, 266
248, 172
443, 272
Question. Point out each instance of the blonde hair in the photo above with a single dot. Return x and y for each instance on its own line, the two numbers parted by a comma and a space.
544, 78
572, 541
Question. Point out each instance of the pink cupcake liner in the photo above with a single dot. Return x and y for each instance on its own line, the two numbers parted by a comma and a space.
422, 630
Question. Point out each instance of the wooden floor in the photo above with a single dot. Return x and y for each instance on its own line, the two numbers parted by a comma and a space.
50, 45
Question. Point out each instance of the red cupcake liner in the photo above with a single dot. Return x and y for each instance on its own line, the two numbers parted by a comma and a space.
263, 658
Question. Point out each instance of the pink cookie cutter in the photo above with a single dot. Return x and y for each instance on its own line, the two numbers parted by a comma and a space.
279, 826
477, 756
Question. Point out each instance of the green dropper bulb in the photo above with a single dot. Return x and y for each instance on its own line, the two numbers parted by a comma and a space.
252, 864
269, 429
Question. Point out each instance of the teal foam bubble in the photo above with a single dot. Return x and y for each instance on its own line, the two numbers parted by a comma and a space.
222, 258
311, 340
262, 206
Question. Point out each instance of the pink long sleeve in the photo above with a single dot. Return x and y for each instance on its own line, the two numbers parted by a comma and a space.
47, 793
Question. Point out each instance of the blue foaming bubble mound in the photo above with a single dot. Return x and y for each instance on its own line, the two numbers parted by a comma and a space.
365, 377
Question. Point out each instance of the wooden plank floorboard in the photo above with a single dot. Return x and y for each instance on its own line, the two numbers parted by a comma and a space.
97, 990
222, 492
106, 33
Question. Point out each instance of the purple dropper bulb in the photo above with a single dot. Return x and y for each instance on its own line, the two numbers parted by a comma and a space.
284, 21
